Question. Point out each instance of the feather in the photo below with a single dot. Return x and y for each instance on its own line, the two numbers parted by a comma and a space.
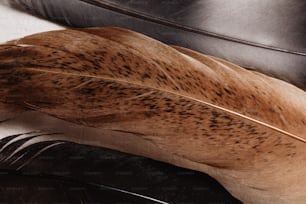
211, 27
58, 189
115, 88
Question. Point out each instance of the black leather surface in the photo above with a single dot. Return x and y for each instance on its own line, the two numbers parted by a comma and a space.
269, 36
19, 188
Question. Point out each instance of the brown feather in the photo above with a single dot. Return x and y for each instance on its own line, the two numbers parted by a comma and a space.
246, 129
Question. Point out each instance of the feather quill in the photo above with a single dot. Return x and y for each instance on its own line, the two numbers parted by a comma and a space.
138, 95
